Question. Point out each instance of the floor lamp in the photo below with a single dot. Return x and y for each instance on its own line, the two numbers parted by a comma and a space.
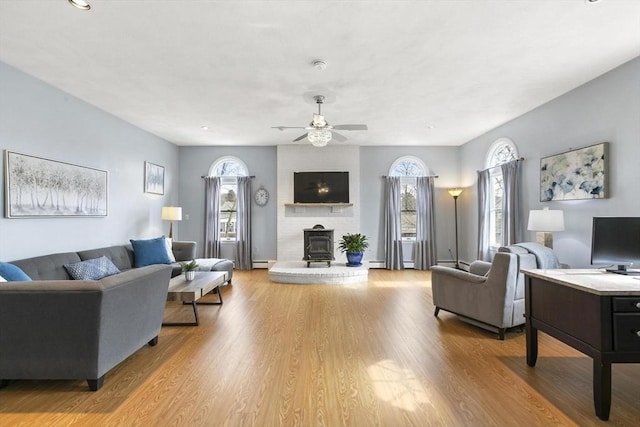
171, 213
455, 192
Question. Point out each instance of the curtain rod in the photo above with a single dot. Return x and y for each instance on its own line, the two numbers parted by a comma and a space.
205, 176
497, 166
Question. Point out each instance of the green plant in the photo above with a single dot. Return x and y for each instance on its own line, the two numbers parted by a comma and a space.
189, 266
353, 243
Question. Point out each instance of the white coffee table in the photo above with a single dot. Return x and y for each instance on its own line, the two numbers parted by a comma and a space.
189, 292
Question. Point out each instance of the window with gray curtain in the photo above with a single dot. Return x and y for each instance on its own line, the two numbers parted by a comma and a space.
392, 230
425, 249
212, 217
498, 199
244, 258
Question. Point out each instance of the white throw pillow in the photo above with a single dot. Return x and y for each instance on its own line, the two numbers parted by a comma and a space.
2, 279
169, 244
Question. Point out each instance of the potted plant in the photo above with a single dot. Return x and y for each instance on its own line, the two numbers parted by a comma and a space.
354, 245
189, 269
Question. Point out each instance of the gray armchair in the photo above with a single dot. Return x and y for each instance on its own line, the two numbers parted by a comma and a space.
532, 255
487, 296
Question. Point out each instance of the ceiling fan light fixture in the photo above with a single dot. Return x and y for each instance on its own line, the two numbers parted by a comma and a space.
80, 4
319, 137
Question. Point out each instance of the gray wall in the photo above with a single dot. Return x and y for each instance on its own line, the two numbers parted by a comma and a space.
42, 121
604, 109
262, 163
376, 161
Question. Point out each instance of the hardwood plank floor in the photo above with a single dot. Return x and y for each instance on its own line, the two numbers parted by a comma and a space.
367, 354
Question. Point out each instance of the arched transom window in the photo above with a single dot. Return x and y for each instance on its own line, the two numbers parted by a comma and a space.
408, 168
503, 150
228, 168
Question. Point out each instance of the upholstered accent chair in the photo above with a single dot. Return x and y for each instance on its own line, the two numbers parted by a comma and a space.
487, 295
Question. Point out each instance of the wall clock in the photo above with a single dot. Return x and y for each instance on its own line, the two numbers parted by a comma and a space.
262, 196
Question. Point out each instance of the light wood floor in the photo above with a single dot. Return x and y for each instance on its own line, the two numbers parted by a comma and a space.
370, 354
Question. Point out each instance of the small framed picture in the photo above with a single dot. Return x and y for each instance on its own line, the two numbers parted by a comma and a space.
153, 178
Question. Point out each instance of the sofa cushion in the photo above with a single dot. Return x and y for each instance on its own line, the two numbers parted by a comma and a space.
169, 243
120, 255
92, 269
12, 273
150, 251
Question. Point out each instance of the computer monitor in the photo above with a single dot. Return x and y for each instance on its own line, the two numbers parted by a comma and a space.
616, 240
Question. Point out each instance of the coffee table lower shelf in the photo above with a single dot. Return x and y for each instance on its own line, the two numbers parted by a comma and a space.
189, 292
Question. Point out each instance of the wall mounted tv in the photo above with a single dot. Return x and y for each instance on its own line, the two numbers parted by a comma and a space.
616, 240
321, 187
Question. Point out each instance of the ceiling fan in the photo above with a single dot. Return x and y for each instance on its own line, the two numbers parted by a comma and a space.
320, 131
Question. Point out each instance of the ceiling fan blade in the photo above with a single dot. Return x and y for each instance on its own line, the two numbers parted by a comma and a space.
338, 137
351, 127
287, 127
301, 137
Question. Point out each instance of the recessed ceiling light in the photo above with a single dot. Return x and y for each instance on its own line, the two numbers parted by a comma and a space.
319, 64
592, 1
80, 4
430, 126
204, 127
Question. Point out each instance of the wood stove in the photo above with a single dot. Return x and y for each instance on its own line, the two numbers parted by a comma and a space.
318, 245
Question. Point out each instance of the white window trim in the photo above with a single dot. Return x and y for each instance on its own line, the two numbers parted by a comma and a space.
219, 160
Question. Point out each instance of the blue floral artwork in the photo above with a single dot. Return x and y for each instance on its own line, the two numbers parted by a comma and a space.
574, 175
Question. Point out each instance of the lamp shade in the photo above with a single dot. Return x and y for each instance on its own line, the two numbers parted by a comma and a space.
546, 220
172, 213
455, 192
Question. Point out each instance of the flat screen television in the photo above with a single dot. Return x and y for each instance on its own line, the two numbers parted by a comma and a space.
616, 240
321, 187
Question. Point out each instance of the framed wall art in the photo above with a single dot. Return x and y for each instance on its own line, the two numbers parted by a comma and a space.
576, 174
37, 187
153, 178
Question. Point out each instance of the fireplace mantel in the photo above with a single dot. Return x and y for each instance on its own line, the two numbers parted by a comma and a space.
317, 205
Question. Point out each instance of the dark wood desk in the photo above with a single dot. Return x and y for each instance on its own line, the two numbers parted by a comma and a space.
595, 312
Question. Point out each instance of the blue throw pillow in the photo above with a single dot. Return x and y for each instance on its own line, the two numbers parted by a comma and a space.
150, 251
12, 273
92, 269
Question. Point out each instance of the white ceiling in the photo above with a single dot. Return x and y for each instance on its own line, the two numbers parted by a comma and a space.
240, 67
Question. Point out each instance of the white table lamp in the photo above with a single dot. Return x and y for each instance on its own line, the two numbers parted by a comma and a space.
171, 213
544, 222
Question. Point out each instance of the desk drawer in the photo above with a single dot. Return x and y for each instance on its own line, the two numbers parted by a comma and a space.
626, 304
626, 331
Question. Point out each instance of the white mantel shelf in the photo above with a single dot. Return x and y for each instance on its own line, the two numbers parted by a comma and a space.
317, 205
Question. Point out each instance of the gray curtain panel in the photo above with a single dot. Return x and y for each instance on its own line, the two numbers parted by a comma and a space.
425, 253
244, 258
484, 206
392, 231
511, 215
212, 217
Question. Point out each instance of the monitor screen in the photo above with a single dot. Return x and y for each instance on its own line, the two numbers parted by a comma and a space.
616, 240
321, 187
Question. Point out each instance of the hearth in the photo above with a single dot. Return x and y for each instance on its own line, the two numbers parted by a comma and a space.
318, 245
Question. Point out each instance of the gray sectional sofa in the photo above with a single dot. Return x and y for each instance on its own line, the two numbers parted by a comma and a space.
58, 328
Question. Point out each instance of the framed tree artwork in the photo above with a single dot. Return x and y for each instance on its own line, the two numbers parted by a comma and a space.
153, 178
37, 187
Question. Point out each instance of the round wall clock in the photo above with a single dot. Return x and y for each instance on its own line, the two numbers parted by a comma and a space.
262, 196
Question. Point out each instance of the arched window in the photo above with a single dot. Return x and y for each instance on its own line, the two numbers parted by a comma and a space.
408, 168
228, 168
503, 150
